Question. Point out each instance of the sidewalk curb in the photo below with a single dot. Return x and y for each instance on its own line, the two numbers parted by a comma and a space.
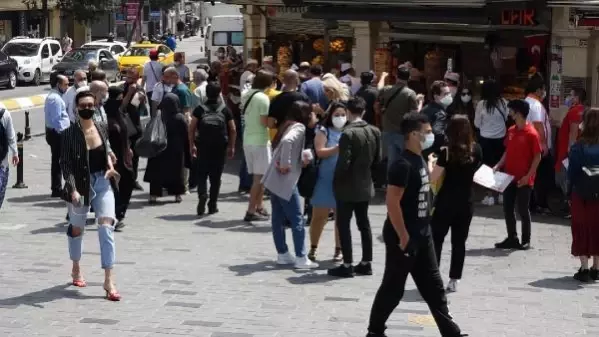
31, 102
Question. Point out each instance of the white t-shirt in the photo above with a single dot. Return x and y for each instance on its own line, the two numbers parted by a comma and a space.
491, 123
537, 113
69, 101
159, 90
152, 73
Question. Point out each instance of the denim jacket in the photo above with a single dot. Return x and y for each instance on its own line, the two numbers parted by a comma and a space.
287, 153
581, 155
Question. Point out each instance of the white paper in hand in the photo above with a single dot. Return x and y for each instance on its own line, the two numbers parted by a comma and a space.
497, 181
566, 163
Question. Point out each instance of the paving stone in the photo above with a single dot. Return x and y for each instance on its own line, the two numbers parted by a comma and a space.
215, 276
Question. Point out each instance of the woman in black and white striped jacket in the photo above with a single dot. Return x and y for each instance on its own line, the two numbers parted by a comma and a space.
89, 177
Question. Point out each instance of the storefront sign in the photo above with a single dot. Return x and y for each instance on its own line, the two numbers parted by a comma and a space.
131, 9
555, 84
518, 17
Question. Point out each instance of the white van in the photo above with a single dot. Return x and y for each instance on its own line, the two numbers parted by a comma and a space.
223, 31
35, 57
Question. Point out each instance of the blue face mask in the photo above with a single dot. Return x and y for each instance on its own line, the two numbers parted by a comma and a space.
428, 141
568, 101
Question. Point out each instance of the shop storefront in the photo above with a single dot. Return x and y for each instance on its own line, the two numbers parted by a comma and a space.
505, 42
292, 39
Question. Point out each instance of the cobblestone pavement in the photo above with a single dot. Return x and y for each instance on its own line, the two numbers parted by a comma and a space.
180, 275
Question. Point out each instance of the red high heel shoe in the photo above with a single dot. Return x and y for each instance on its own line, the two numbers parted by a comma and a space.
113, 296
78, 281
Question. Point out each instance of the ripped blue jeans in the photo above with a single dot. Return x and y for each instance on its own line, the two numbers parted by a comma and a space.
102, 200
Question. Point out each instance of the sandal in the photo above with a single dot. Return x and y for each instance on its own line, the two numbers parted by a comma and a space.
312, 254
262, 211
78, 281
113, 296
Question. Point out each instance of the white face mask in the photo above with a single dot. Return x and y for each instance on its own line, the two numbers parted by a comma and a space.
82, 84
466, 98
580, 126
446, 101
428, 141
339, 121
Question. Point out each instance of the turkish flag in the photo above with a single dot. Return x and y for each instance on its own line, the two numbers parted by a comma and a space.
536, 46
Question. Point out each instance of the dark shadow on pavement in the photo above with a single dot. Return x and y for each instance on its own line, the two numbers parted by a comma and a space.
558, 283
412, 295
37, 298
58, 228
31, 198
490, 252
311, 278
51, 204
251, 268
249, 228
223, 224
178, 217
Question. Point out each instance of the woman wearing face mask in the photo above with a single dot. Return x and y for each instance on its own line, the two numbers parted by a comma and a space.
326, 144
453, 205
89, 175
165, 171
491, 118
281, 179
119, 140
437, 114
465, 105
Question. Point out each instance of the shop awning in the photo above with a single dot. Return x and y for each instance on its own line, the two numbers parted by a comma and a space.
403, 3
590, 4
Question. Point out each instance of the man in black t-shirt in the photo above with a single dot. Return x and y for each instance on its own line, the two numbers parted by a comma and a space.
211, 138
408, 241
370, 94
282, 103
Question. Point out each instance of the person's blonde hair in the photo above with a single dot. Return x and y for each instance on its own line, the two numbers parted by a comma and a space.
340, 90
590, 127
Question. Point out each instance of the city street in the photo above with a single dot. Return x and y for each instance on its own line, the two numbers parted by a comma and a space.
215, 276
30, 94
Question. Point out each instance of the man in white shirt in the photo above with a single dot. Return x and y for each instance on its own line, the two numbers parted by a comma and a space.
539, 118
69, 97
250, 69
9, 148
152, 74
160, 89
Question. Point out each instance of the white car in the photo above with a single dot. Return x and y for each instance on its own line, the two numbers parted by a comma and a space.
35, 57
116, 48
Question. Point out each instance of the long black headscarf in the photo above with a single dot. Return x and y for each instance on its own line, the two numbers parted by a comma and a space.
170, 106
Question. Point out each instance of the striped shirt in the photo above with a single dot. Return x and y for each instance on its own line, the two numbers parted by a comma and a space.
74, 160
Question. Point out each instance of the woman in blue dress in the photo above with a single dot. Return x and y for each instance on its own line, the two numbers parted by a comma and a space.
326, 144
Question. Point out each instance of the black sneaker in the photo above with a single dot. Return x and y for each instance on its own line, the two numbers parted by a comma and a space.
137, 187
212, 209
341, 271
583, 275
508, 243
56, 194
363, 269
372, 334
201, 208
525, 246
254, 217
594, 274
119, 226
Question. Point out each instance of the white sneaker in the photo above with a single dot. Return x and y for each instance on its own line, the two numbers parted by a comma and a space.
452, 286
500, 199
305, 263
285, 259
485, 201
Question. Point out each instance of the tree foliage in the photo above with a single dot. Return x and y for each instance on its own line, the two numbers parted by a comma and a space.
80, 10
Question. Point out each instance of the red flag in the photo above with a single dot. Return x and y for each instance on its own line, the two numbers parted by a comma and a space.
536, 46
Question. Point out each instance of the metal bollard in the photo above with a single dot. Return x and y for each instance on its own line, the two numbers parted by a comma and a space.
27, 126
20, 183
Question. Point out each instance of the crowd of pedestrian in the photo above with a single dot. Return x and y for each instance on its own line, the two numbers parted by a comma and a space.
316, 144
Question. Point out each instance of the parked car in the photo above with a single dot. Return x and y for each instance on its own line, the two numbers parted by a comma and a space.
138, 54
79, 58
8, 71
116, 48
35, 57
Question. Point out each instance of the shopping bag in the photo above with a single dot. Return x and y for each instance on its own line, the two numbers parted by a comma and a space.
154, 140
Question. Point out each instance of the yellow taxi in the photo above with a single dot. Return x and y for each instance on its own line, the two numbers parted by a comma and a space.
138, 54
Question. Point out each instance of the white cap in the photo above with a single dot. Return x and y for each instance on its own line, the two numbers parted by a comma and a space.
345, 67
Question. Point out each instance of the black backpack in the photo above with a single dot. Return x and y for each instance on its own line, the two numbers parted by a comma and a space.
3, 140
587, 186
212, 126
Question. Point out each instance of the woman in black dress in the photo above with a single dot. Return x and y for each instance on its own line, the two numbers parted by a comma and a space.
165, 171
119, 141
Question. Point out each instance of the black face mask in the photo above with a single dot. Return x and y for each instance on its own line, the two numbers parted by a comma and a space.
86, 113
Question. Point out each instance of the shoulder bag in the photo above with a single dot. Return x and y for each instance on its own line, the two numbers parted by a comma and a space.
309, 175
587, 186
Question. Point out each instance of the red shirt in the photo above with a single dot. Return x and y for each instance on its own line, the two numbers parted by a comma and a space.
574, 115
521, 147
